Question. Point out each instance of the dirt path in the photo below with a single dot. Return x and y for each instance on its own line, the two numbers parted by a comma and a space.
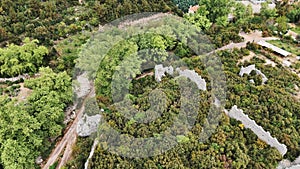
68, 140
255, 36
144, 75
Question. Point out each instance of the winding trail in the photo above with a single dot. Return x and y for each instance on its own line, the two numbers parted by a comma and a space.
68, 140
255, 36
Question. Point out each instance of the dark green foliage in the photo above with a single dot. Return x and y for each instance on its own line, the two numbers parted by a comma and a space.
291, 11
110, 10
271, 105
80, 153
48, 21
54, 165
27, 128
54, 20
184, 5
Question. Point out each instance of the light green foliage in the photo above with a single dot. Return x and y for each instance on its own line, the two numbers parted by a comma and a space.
18, 137
217, 8
182, 139
211, 11
242, 13
16, 60
222, 21
26, 127
199, 18
213, 18
52, 83
282, 26
266, 12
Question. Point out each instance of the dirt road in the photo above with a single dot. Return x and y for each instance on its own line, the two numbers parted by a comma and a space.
69, 139
251, 37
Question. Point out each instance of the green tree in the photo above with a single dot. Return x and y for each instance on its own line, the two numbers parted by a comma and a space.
294, 13
199, 18
26, 127
217, 8
16, 60
266, 12
282, 26
242, 13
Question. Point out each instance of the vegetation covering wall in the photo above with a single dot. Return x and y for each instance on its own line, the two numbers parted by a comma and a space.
27, 129
231, 145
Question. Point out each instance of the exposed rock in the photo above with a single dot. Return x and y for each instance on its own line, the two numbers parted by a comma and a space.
83, 87
284, 164
217, 102
270, 62
274, 48
286, 63
39, 160
190, 74
193, 76
247, 70
160, 71
88, 125
296, 87
297, 161
294, 167
14, 79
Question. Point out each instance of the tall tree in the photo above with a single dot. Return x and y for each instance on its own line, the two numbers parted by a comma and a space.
282, 24
217, 8
200, 18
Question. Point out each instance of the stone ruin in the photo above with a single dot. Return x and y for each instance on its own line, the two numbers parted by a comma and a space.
247, 70
88, 125
190, 74
258, 130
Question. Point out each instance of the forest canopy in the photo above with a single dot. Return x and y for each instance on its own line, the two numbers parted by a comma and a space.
17, 60
26, 128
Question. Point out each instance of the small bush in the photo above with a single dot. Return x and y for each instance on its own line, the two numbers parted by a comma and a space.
265, 34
